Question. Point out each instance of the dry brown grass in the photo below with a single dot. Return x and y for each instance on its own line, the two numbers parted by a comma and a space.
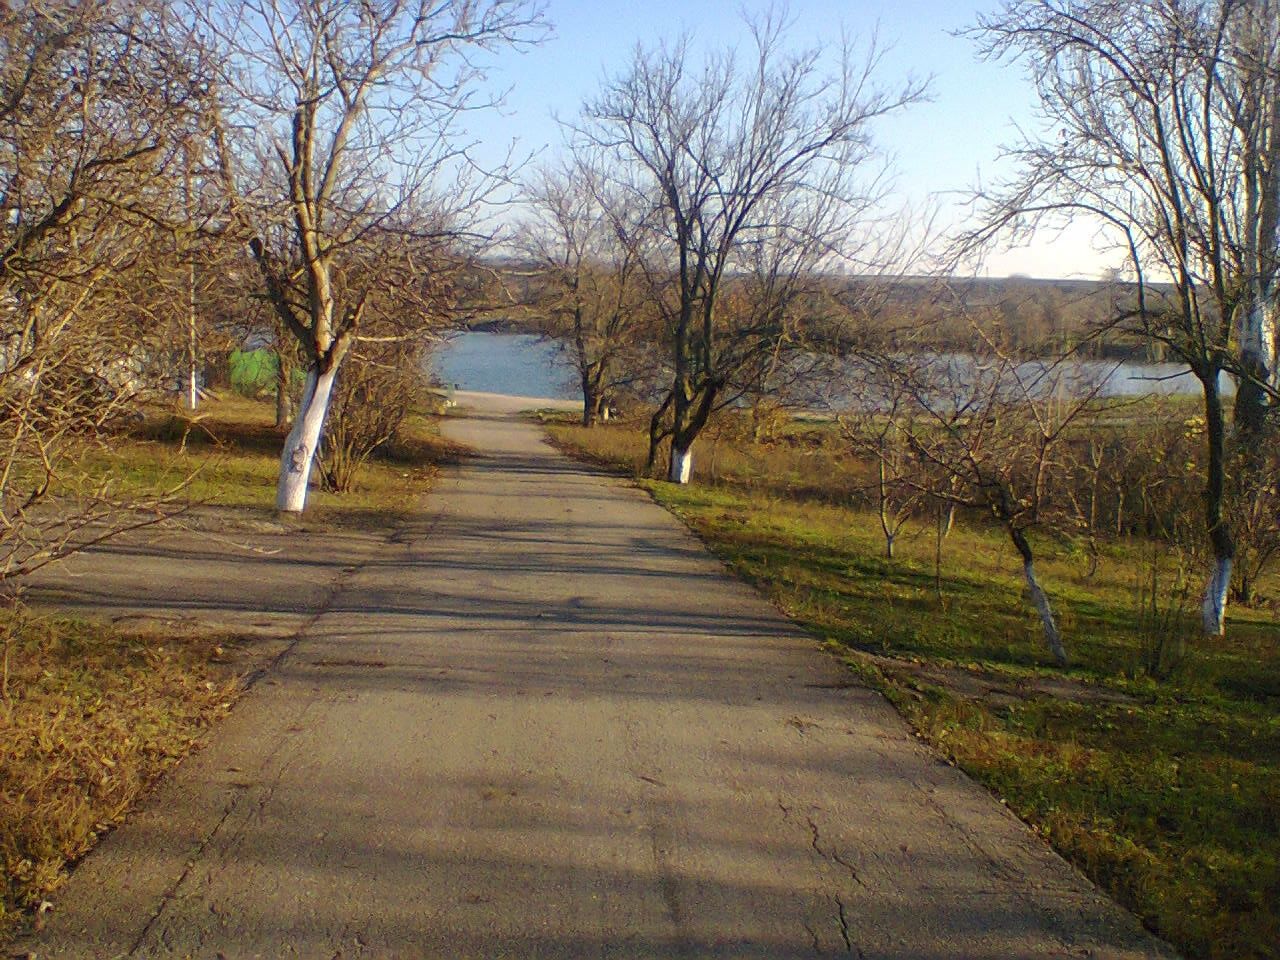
89, 718
230, 450
800, 463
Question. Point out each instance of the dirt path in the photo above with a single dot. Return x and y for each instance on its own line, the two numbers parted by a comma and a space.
546, 724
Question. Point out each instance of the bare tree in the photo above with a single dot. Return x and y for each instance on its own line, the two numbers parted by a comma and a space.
875, 414
989, 432
385, 373
339, 148
1162, 123
97, 101
762, 167
586, 243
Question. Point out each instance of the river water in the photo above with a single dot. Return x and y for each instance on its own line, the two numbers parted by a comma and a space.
529, 366
515, 364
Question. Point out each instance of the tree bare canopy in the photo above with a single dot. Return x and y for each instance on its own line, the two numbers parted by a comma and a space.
762, 170
991, 430
98, 103
1162, 122
342, 156
586, 241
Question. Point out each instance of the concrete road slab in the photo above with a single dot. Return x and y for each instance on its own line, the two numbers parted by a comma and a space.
545, 723
216, 570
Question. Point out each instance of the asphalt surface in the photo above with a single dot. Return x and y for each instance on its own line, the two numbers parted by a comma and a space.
546, 723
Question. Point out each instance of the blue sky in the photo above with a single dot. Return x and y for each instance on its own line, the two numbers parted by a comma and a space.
940, 147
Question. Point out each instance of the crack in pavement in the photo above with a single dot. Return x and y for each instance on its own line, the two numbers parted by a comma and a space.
833, 855
853, 949
668, 885
168, 895
339, 584
235, 803
813, 935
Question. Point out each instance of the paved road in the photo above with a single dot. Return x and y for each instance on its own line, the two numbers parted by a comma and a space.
545, 723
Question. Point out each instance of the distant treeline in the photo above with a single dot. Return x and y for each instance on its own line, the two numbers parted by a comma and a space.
1042, 316
1029, 315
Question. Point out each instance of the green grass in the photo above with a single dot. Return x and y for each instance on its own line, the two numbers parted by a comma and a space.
253, 371
1164, 792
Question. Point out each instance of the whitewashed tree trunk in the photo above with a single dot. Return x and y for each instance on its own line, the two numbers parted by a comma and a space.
1271, 310
1213, 612
1268, 342
1258, 338
1052, 637
681, 465
304, 438
1258, 363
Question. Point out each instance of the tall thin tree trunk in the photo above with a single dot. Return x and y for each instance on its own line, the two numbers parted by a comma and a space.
193, 387
1258, 362
950, 518
940, 531
1213, 608
651, 461
284, 400
883, 491
300, 446
1052, 636
590, 400
680, 461
1214, 604
1244, 587
656, 435
1252, 406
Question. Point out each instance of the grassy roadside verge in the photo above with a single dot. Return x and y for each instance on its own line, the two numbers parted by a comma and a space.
92, 715
228, 452
1164, 793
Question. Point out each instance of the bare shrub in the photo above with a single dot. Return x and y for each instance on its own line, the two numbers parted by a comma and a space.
1163, 595
879, 428
377, 388
1255, 514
